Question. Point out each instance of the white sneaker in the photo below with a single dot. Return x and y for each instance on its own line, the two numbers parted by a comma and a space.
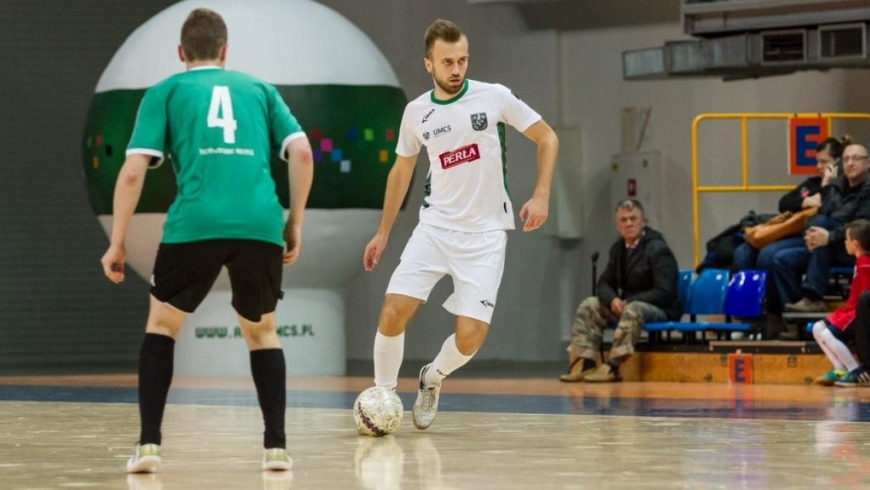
426, 406
276, 459
145, 459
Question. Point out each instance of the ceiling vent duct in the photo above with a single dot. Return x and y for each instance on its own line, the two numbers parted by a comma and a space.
685, 58
843, 41
730, 52
781, 47
644, 64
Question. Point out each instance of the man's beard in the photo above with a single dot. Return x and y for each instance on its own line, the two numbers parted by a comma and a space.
448, 88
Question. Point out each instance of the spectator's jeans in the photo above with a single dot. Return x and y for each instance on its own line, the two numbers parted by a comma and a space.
791, 263
592, 318
747, 257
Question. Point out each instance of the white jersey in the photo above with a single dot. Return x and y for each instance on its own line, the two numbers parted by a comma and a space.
465, 188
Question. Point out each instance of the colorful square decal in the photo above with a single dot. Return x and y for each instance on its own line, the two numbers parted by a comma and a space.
384, 156
345, 166
318, 155
390, 135
315, 134
368, 134
336, 155
326, 144
353, 134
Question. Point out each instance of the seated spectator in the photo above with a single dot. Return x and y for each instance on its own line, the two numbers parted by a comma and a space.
835, 330
639, 284
806, 195
799, 274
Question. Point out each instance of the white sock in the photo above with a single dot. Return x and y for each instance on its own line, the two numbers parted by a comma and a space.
447, 361
388, 355
843, 354
819, 328
837, 352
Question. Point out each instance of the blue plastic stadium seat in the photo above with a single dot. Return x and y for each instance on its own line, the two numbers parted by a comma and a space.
744, 298
840, 270
746, 294
683, 285
707, 294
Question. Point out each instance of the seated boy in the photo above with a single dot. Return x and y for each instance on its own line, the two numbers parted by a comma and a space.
834, 331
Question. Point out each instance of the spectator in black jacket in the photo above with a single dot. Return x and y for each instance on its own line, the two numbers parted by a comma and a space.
638, 285
806, 195
800, 274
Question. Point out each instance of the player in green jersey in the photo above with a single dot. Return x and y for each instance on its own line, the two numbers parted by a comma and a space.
220, 128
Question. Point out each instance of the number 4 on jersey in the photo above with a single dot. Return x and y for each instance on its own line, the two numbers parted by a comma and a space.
220, 113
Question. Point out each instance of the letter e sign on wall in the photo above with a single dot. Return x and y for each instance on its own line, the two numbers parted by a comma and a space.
804, 135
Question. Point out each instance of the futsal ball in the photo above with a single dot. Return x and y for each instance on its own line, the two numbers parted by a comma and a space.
377, 411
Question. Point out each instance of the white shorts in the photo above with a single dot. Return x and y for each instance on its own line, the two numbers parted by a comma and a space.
475, 261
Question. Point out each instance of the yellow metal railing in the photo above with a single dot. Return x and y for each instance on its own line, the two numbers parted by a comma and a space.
744, 154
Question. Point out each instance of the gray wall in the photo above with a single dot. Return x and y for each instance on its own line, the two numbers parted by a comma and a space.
57, 311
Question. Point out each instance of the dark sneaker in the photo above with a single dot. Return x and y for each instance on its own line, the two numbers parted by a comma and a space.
856, 377
791, 333
426, 406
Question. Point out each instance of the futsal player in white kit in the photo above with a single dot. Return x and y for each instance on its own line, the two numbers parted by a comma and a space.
465, 213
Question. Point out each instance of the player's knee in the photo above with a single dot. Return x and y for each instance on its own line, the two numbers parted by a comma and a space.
162, 328
260, 335
470, 337
818, 329
468, 346
391, 323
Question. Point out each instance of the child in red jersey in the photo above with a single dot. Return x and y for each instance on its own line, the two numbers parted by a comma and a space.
834, 331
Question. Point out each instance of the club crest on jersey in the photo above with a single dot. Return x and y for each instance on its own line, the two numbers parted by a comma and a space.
478, 121
426, 135
459, 156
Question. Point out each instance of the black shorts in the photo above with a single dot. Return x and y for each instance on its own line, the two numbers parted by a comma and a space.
185, 272
844, 336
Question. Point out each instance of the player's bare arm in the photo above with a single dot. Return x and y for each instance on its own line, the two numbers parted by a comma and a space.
397, 187
301, 174
535, 211
128, 190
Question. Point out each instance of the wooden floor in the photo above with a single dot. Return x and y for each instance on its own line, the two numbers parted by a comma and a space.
77, 431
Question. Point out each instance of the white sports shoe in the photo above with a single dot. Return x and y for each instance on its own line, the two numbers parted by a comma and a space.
145, 459
276, 459
426, 406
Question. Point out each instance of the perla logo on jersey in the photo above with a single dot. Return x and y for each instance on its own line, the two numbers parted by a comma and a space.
459, 156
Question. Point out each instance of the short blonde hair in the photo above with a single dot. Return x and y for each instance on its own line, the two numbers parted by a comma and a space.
441, 29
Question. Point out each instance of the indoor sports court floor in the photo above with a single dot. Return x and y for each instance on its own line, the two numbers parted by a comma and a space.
77, 431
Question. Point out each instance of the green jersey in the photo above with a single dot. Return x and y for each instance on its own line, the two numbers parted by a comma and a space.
220, 128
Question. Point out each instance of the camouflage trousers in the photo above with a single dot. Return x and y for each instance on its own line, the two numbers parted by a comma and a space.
592, 318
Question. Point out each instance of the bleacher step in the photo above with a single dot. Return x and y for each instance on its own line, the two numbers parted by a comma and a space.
776, 362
